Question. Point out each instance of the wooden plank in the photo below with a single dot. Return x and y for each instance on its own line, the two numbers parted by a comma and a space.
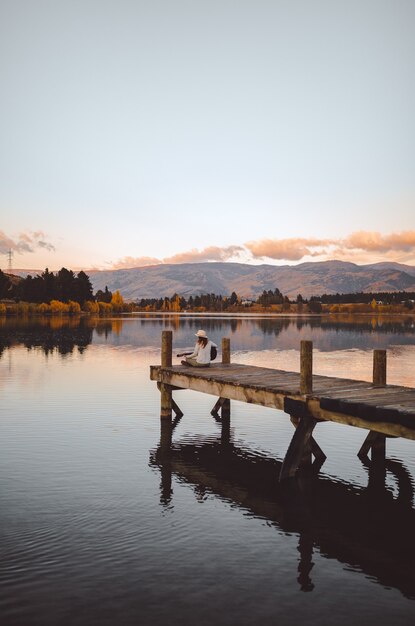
359, 392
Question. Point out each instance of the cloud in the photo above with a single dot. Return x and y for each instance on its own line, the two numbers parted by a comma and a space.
291, 249
46, 246
212, 253
360, 247
376, 242
129, 262
6, 243
26, 242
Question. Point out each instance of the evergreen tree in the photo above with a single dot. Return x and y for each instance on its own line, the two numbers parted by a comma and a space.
66, 285
83, 288
5, 285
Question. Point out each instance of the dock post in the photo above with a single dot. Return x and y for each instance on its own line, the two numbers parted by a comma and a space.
379, 368
226, 350
376, 442
306, 367
223, 403
166, 402
164, 461
225, 410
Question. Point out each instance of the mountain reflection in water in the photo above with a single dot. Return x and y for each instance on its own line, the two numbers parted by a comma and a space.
368, 529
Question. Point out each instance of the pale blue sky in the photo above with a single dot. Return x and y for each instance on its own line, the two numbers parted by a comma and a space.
133, 129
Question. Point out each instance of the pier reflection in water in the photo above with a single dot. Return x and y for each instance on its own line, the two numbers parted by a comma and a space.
369, 529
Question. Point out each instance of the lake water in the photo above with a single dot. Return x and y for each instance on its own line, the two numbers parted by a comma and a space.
103, 522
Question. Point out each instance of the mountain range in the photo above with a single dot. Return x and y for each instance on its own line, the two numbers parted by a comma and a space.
250, 280
314, 278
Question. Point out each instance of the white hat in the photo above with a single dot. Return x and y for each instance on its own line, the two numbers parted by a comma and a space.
201, 333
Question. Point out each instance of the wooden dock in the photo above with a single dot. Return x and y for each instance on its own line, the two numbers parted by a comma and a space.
384, 410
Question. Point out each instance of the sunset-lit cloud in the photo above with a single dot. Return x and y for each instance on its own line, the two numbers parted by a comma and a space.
212, 253
376, 242
291, 249
27, 242
358, 247
129, 261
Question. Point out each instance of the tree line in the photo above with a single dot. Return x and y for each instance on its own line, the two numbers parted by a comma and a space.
212, 301
64, 286
386, 297
67, 287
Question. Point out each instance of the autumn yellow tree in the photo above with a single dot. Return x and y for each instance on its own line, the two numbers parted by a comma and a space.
91, 307
117, 301
175, 305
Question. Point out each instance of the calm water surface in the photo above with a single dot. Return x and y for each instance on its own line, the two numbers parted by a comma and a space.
104, 521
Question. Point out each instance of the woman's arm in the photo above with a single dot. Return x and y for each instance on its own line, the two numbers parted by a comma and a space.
195, 352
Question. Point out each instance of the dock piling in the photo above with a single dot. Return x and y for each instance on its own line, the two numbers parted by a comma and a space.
166, 348
379, 368
306, 367
166, 396
223, 403
226, 350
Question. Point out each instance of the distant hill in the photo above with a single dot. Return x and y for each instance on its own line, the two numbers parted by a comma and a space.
23, 273
389, 265
308, 279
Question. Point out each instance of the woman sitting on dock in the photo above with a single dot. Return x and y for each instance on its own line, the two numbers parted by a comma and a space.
201, 355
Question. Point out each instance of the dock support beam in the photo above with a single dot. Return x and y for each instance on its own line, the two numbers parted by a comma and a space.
376, 442
297, 411
299, 446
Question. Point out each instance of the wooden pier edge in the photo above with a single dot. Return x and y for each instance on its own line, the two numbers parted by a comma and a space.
263, 397
352, 403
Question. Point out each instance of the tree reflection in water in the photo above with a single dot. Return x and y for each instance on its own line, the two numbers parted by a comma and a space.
52, 334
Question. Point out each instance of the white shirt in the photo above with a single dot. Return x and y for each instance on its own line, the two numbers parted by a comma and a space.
201, 353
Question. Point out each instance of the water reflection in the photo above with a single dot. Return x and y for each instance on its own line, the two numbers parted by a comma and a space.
246, 332
367, 529
258, 333
50, 334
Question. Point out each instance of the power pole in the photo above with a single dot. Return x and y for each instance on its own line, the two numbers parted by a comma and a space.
10, 261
